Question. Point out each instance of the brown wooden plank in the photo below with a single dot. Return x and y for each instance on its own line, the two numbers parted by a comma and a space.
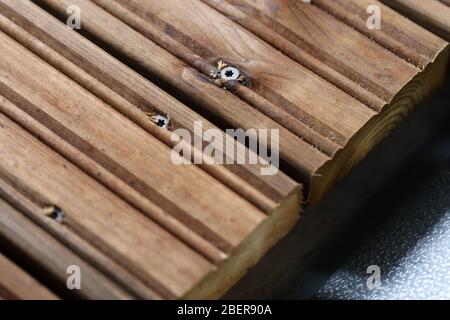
35, 237
276, 82
331, 86
431, 14
105, 135
325, 45
213, 286
398, 34
90, 64
163, 262
16, 284
274, 77
331, 38
230, 224
296, 152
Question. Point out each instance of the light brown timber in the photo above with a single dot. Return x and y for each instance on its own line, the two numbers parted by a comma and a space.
234, 233
339, 105
431, 14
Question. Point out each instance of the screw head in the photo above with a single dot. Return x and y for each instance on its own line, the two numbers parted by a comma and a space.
230, 74
161, 121
54, 212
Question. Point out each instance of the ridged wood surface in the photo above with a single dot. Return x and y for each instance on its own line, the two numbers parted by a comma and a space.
431, 14
326, 97
86, 177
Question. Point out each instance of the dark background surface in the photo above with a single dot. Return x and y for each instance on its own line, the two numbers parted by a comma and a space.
404, 229
393, 211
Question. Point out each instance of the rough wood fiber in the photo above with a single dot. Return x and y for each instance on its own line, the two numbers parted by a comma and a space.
124, 201
431, 14
337, 99
131, 95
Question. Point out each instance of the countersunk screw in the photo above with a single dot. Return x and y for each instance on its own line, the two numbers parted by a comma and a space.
226, 73
230, 74
54, 213
161, 121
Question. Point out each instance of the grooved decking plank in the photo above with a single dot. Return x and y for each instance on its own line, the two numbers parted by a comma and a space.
130, 94
272, 75
45, 252
76, 133
381, 68
96, 129
325, 45
298, 154
328, 119
398, 34
431, 14
16, 284
158, 258
223, 233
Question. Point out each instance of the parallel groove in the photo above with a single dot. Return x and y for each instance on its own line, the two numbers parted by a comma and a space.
15, 196
105, 160
141, 101
208, 94
284, 89
40, 110
404, 46
77, 136
143, 22
16, 284
110, 181
432, 14
165, 24
33, 237
310, 56
74, 218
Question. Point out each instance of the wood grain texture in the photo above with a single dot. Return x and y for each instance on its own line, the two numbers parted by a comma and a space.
52, 248
431, 14
325, 45
176, 240
118, 85
397, 34
157, 258
16, 284
339, 97
87, 178
296, 152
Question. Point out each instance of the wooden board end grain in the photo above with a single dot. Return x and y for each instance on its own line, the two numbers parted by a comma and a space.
250, 251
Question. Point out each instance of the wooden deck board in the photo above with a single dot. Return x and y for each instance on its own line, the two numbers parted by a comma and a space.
153, 255
279, 87
77, 138
117, 186
431, 14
